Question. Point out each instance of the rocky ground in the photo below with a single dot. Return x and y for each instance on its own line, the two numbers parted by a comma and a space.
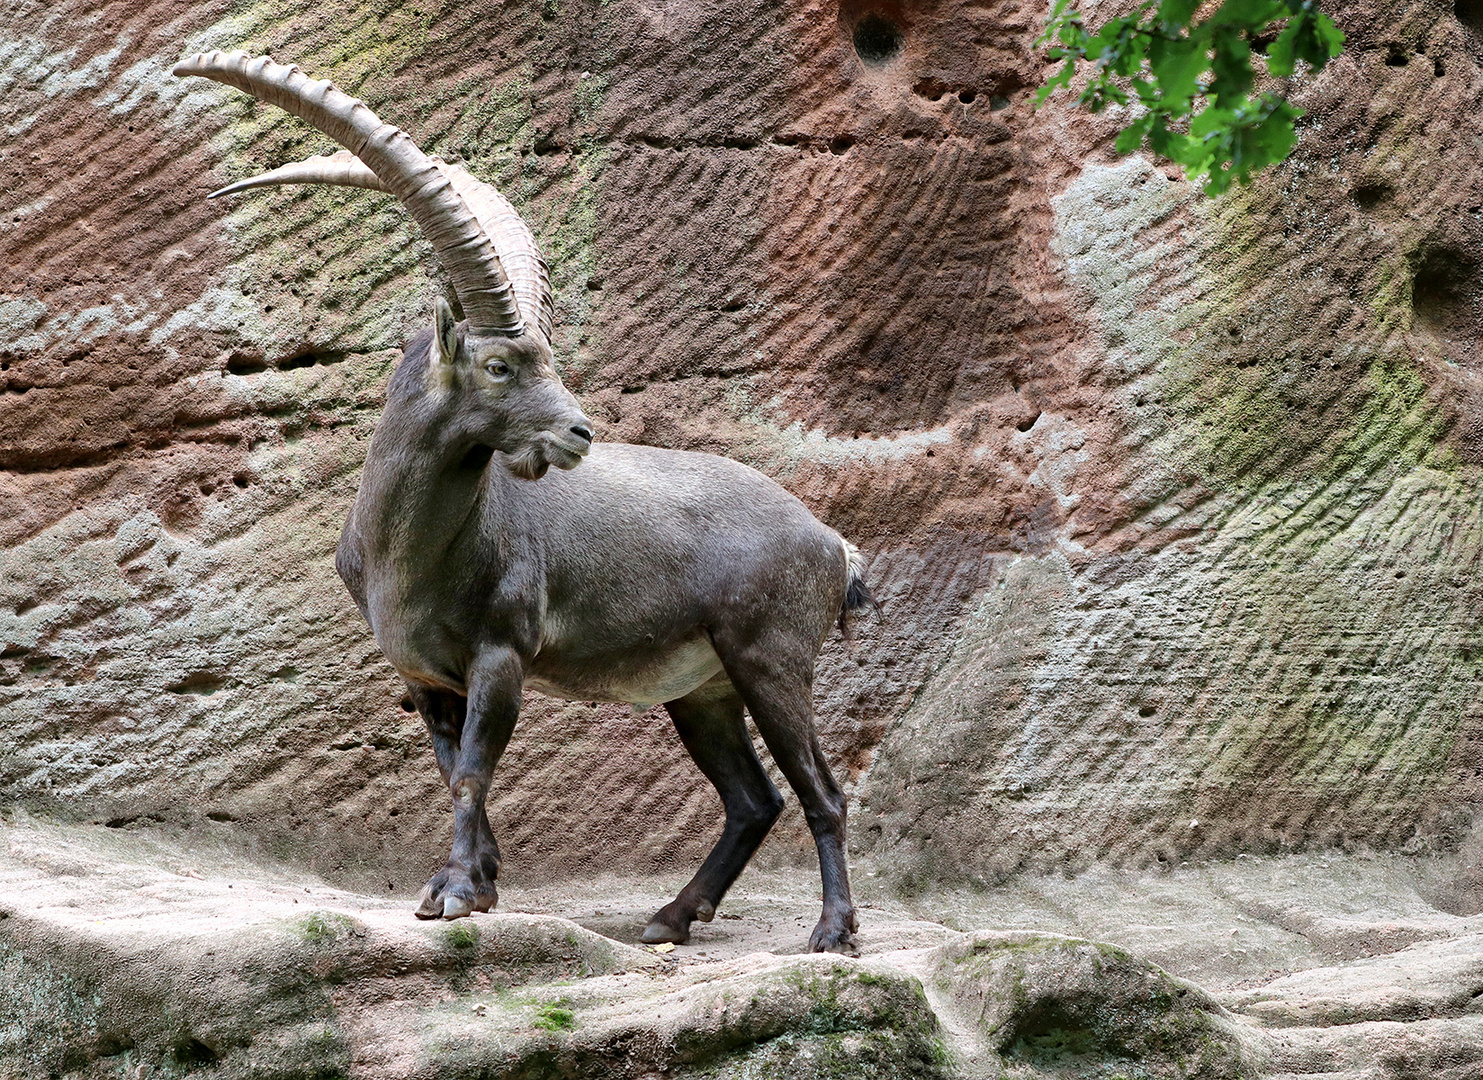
136, 953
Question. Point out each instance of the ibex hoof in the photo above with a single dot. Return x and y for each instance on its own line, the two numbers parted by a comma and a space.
834, 936
453, 893
456, 907
657, 933
672, 922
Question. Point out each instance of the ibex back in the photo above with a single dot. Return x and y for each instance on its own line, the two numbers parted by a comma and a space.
644, 576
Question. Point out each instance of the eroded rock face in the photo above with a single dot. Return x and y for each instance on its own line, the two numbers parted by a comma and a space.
1171, 503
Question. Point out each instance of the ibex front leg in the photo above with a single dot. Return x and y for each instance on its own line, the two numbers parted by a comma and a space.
468, 738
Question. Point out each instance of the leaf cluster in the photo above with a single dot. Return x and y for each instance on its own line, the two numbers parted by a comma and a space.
1194, 77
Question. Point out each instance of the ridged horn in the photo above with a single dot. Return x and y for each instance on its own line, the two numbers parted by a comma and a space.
512, 238
466, 251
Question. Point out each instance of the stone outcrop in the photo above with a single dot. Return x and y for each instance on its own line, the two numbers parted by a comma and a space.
177, 962
128, 954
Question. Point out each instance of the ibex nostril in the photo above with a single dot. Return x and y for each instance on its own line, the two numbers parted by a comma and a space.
582, 432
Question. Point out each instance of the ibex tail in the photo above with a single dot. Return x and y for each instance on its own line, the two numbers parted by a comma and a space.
857, 596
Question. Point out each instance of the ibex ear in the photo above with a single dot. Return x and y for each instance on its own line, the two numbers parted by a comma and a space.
445, 330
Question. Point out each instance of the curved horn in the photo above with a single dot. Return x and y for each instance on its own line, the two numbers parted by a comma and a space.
517, 248
422, 187
512, 238
342, 168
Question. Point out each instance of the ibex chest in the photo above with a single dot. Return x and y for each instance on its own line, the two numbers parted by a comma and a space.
419, 638
424, 657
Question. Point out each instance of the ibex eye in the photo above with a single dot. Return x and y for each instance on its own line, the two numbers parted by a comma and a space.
497, 369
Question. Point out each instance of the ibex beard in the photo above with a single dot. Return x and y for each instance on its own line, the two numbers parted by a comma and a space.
645, 576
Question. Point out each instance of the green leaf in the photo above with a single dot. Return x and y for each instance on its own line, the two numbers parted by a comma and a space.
1311, 37
1230, 65
1162, 55
1131, 136
1253, 15
1176, 14
1178, 65
1100, 94
1060, 79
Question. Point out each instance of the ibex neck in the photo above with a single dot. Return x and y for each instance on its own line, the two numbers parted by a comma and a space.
416, 534
419, 494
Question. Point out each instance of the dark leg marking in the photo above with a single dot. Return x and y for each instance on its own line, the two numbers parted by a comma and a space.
775, 679
715, 735
467, 743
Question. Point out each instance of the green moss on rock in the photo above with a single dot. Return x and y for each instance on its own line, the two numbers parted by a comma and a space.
1056, 1002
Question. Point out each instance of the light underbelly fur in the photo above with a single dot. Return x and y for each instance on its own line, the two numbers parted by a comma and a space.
673, 674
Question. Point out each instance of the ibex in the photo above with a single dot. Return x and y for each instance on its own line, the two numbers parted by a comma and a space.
645, 576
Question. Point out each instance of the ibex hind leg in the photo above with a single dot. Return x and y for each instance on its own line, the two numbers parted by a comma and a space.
445, 713
774, 675
714, 732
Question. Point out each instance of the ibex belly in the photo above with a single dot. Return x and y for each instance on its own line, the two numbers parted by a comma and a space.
642, 679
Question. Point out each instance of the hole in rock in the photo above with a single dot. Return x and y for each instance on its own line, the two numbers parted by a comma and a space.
407, 705
967, 97
220, 815
1396, 58
877, 41
310, 359
931, 89
1147, 710
1437, 69
1369, 196
1050, 1033
112, 1044
189, 1051
1443, 287
841, 143
202, 683
245, 364
1027, 424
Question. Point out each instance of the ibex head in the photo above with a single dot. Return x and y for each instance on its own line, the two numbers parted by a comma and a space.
497, 392
491, 378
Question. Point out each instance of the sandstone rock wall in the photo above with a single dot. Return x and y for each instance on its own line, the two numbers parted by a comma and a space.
1172, 504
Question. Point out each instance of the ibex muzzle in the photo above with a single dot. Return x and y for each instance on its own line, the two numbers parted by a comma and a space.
645, 576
